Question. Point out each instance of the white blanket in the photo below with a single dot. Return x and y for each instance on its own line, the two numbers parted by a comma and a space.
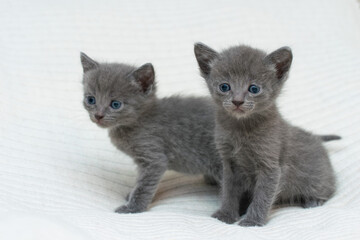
60, 177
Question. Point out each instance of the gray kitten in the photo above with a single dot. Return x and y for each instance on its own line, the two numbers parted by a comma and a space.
263, 156
171, 133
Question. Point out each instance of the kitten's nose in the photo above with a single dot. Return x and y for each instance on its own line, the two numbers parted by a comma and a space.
237, 103
98, 117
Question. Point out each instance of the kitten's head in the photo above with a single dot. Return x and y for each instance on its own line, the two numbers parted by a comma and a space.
116, 94
241, 79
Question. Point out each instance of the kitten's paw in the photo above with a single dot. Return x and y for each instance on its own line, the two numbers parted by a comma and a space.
246, 222
128, 209
313, 203
225, 216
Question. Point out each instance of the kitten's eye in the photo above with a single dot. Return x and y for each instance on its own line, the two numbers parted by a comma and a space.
254, 89
91, 100
224, 87
115, 104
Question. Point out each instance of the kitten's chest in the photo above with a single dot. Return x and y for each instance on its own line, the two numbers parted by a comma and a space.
244, 142
121, 139
245, 148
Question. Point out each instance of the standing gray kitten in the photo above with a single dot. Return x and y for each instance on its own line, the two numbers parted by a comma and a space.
263, 156
159, 134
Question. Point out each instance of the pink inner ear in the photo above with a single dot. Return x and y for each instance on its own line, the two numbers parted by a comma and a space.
282, 58
145, 76
146, 80
204, 55
281, 68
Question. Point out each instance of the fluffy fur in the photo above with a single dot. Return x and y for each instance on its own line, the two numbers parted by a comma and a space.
171, 133
264, 158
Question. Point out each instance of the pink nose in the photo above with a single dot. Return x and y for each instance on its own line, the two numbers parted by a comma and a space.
237, 103
98, 117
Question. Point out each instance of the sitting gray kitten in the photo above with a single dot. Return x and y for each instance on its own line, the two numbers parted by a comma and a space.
263, 156
171, 133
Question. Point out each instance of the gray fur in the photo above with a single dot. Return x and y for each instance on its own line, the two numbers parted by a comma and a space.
327, 138
159, 134
262, 154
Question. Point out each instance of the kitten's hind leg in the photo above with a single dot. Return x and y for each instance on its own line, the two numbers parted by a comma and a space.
310, 203
300, 201
210, 180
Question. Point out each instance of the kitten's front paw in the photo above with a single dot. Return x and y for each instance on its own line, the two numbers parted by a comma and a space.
128, 209
246, 222
224, 216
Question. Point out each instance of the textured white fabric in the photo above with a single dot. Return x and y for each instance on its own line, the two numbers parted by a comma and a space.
60, 173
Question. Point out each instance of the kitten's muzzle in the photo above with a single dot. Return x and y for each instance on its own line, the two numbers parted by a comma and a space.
238, 103
99, 117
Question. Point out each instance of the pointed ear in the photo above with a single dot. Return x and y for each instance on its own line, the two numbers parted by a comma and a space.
204, 55
145, 76
281, 59
87, 62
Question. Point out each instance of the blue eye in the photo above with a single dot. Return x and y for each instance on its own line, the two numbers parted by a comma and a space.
254, 89
91, 100
115, 104
224, 87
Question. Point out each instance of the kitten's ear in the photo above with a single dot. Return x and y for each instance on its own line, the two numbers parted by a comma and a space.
281, 59
87, 62
204, 55
145, 76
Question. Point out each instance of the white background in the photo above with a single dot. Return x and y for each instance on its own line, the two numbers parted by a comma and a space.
61, 177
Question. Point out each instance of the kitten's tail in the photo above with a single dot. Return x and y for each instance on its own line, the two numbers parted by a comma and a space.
327, 138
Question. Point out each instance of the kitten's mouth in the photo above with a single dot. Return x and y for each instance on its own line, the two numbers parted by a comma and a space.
99, 123
239, 110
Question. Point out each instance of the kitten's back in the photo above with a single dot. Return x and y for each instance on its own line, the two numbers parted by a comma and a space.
186, 125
